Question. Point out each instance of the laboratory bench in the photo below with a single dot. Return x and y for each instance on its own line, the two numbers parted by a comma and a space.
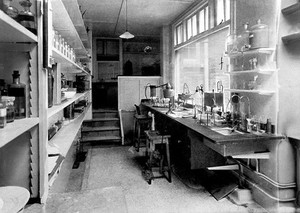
266, 160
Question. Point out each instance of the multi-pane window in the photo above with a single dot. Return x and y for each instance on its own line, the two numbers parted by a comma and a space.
178, 37
222, 11
203, 19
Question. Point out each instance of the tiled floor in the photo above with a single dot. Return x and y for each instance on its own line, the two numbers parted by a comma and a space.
110, 180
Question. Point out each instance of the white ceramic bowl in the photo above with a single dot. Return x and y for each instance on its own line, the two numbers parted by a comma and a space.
69, 94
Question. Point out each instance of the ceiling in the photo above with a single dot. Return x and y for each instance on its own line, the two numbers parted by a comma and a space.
145, 17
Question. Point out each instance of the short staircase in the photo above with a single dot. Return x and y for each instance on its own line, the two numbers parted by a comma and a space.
105, 127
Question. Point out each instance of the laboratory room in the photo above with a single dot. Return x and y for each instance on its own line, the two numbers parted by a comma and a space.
162, 106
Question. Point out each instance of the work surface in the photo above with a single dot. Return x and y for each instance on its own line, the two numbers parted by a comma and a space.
215, 140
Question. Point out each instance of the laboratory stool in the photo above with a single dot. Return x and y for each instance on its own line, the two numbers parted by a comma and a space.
141, 123
13, 199
158, 154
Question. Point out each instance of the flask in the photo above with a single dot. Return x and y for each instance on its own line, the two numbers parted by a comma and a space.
2, 114
259, 35
18, 90
26, 17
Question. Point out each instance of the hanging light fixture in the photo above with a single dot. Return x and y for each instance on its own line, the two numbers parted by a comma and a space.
126, 35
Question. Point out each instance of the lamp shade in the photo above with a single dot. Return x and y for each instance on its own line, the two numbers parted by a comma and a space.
126, 35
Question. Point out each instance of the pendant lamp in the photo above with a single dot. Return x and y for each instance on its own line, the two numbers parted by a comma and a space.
126, 35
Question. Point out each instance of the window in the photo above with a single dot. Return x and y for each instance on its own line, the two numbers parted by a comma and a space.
222, 11
203, 19
189, 28
178, 34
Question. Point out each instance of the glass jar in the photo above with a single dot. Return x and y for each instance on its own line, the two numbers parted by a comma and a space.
243, 38
18, 90
10, 109
26, 17
259, 36
2, 114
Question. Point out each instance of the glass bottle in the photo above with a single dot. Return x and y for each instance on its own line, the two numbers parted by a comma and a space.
10, 109
50, 88
18, 90
243, 39
2, 114
26, 17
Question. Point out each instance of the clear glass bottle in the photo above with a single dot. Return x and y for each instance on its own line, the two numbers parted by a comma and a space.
18, 90
50, 88
2, 114
10, 109
26, 17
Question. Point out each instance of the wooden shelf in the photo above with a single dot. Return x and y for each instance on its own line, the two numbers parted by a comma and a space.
73, 9
260, 71
260, 92
12, 31
61, 58
54, 164
254, 51
65, 27
56, 108
16, 128
291, 9
291, 38
64, 138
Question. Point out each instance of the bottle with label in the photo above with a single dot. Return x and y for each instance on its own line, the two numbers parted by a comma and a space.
18, 90
2, 114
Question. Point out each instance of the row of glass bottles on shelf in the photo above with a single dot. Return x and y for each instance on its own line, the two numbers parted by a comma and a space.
62, 46
24, 17
12, 100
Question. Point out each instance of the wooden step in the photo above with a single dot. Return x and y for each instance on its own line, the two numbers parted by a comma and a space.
101, 122
103, 131
101, 139
100, 128
105, 114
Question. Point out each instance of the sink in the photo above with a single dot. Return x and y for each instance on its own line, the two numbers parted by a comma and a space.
226, 131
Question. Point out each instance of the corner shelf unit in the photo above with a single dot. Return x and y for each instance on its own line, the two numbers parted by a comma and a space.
293, 37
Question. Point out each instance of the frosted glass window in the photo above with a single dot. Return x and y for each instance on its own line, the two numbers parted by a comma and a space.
189, 28
202, 21
220, 11
179, 34
227, 10
206, 18
194, 25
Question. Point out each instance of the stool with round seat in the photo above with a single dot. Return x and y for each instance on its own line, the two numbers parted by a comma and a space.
158, 153
142, 122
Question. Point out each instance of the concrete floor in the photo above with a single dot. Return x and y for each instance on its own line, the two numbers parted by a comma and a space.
110, 180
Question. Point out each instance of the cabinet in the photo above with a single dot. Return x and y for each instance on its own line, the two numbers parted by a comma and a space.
62, 25
19, 50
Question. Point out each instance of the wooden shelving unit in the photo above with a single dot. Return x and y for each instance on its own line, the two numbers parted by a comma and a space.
291, 38
60, 58
64, 25
55, 109
63, 139
291, 9
12, 31
16, 128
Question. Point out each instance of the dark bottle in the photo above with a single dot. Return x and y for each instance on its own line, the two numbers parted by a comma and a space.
18, 90
26, 17
50, 88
